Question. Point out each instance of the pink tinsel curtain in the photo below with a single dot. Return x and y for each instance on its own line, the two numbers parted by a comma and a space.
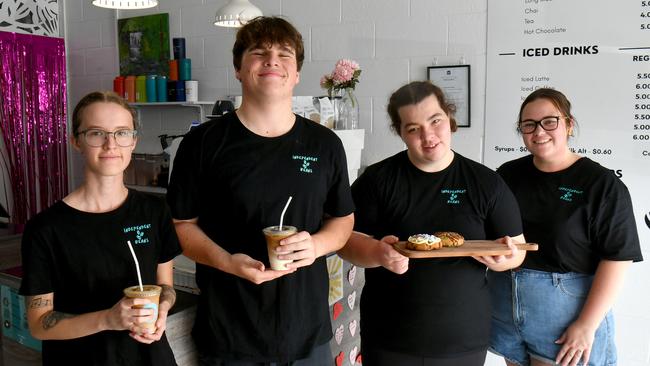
33, 122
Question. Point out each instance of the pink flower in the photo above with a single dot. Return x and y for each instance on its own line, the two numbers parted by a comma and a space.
323, 81
344, 71
345, 75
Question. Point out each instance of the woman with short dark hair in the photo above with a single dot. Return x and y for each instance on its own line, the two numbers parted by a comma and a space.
433, 311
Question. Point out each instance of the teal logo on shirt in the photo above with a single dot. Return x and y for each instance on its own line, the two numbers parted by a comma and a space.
307, 162
454, 195
569, 193
140, 232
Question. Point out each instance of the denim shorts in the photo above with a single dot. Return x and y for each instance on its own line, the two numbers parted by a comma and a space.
531, 309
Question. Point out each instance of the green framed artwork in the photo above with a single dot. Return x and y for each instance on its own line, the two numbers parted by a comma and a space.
144, 44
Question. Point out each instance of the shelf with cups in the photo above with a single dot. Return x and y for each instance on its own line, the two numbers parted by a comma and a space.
198, 105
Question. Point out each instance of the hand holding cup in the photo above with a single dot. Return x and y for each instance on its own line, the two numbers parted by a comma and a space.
148, 292
273, 235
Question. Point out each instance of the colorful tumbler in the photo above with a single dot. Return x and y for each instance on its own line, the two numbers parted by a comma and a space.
141, 89
173, 70
129, 88
151, 88
171, 90
161, 88
118, 86
179, 48
191, 91
180, 91
185, 69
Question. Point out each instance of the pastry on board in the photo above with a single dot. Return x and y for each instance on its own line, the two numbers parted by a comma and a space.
450, 238
423, 242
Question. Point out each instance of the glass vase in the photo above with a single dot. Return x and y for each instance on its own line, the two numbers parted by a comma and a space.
346, 109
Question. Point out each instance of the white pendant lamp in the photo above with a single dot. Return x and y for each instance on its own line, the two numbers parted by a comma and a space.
236, 13
125, 4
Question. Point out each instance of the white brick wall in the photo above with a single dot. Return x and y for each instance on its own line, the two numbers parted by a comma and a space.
393, 40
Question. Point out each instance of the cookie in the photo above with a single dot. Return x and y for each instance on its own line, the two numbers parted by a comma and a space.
450, 238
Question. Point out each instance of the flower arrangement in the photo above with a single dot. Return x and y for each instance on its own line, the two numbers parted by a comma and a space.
345, 76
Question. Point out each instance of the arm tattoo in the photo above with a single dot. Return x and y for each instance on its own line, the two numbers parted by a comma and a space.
168, 294
39, 302
50, 320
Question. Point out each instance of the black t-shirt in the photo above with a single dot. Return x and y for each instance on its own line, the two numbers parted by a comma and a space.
237, 183
439, 307
578, 216
84, 259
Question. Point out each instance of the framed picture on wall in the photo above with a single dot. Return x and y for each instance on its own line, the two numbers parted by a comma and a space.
455, 82
143, 44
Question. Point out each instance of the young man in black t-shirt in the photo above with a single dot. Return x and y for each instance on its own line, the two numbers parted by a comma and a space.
232, 177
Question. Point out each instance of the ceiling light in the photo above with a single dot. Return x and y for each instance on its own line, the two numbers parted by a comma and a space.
236, 13
125, 4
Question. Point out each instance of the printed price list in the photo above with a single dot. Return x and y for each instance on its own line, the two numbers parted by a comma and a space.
645, 15
582, 150
642, 106
641, 103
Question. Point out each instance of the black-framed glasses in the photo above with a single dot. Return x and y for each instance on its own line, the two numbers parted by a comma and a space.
548, 123
96, 137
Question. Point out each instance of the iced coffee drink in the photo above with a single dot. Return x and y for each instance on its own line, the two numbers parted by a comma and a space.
273, 236
151, 292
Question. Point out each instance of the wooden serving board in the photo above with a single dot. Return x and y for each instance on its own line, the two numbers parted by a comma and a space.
469, 249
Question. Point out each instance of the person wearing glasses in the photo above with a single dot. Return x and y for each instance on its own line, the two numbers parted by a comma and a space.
555, 308
433, 311
76, 260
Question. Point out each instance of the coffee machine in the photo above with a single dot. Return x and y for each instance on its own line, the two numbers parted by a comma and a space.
222, 107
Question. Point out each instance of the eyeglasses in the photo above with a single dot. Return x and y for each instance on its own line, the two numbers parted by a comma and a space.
96, 138
548, 124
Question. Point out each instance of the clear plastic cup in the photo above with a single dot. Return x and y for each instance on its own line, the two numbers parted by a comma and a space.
273, 235
151, 292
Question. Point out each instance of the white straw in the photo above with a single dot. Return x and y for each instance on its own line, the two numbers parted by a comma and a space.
285, 210
137, 265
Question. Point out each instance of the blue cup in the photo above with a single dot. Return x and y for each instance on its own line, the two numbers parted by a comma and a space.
185, 69
161, 88
151, 88
179, 48
180, 91
171, 91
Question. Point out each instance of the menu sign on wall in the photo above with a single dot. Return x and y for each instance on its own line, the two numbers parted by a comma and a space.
595, 52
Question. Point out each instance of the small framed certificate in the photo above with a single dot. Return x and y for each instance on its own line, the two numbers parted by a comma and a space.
455, 82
